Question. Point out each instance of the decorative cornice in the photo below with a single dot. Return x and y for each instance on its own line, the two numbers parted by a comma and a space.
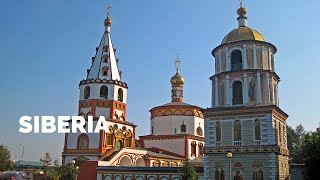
103, 81
241, 72
176, 110
246, 149
82, 151
223, 112
173, 136
243, 42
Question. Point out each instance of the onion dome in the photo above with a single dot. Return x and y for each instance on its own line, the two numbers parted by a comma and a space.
242, 33
107, 21
177, 80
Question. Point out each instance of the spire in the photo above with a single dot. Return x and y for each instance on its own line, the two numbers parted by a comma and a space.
105, 63
107, 21
242, 19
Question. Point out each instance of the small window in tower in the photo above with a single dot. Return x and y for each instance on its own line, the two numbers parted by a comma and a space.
104, 92
237, 97
120, 95
236, 60
105, 58
86, 92
105, 70
183, 128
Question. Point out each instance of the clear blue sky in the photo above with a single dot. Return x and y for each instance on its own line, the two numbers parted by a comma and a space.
46, 47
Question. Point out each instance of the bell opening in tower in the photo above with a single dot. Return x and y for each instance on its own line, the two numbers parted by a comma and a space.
236, 60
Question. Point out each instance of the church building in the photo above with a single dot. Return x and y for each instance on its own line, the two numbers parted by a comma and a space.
245, 129
176, 132
241, 136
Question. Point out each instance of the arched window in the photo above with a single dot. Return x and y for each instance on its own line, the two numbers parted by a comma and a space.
83, 142
193, 149
236, 60
218, 132
237, 97
86, 92
237, 131
199, 131
257, 130
120, 95
183, 128
200, 149
104, 92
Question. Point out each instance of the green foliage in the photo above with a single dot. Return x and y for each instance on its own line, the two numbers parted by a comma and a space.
311, 154
5, 163
188, 172
67, 172
295, 138
46, 160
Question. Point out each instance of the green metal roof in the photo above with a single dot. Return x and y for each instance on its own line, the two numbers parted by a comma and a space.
28, 164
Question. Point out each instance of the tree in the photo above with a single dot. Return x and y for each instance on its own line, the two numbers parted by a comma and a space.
67, 172
311, 154
46, 161
188, 171
295, 138
5, 163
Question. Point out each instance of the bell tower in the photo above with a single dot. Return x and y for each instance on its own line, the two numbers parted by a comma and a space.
245, 118
102, 93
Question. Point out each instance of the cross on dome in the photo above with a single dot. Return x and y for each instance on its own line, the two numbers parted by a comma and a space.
109, 8
177, 62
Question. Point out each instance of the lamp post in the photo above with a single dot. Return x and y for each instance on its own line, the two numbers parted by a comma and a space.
229, 155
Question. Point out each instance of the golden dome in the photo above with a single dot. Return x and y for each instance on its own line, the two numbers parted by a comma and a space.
242, 11
107, 21
177, 80
242, 33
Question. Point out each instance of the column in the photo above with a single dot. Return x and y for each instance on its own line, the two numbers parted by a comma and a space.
273, 93
270, 54
228, 91
268, 88
220, 58
262, 58
259, 89
228, 62
212, 94
244, 57
245, 89
216, 92
255, 61
277, 96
